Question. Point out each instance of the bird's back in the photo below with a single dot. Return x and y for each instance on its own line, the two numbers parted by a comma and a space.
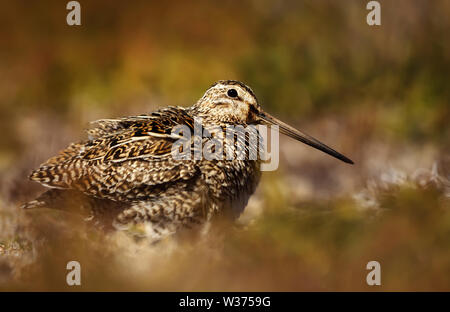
124, 159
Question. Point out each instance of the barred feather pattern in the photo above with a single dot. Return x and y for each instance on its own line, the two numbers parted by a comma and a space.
126, 163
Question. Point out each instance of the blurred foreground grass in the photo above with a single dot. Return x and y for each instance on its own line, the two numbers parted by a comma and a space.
318, 245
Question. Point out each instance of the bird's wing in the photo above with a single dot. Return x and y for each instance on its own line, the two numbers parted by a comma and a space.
124, 159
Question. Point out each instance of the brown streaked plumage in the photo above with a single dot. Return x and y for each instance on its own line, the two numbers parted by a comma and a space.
126, 163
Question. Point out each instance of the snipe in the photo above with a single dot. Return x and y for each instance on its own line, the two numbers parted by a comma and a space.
126, 165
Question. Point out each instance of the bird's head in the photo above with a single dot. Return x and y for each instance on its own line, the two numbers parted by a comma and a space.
231, 101
228, 101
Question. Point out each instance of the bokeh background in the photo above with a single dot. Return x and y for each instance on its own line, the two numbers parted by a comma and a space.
378, 94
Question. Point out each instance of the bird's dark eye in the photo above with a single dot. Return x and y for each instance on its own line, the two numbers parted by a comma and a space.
232, 93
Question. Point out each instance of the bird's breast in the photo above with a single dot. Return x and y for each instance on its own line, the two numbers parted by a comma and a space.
231, 183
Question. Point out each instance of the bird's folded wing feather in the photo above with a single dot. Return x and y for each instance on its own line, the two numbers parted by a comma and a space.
124, 159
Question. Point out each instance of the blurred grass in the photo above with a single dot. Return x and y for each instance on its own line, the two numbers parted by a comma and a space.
302, 57
319, 245
379, 94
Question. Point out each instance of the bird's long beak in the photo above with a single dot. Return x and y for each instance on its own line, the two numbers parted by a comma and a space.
302, 137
